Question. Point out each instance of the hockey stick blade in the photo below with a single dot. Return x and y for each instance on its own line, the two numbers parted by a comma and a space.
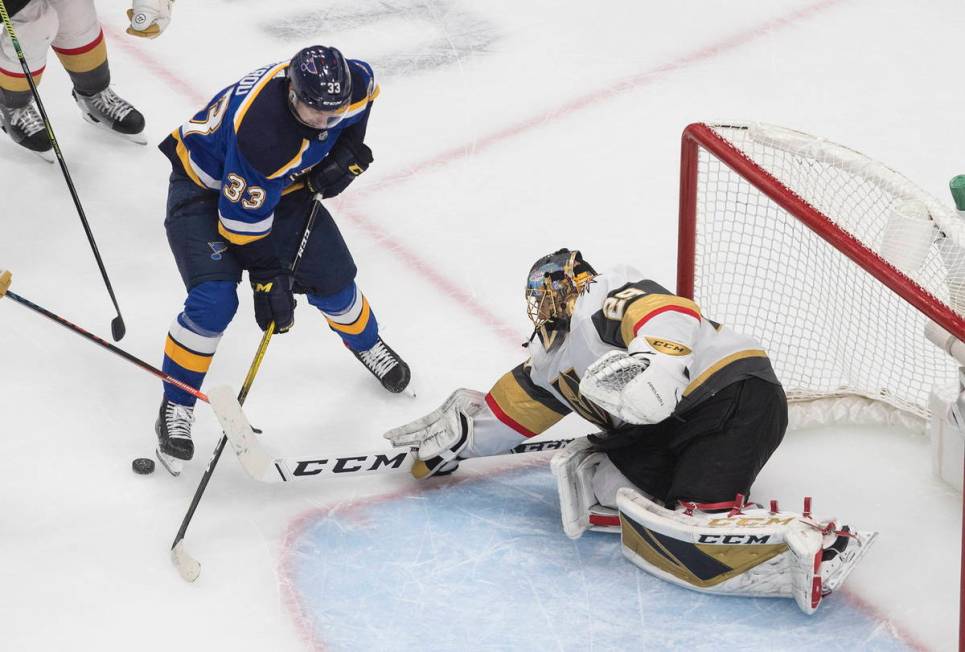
118, 329
188, 567
254, 459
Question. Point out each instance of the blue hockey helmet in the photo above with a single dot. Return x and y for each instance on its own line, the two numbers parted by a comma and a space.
320, 86
553, 285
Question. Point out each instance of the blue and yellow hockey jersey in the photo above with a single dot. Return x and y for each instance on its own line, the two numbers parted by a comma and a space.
247, 146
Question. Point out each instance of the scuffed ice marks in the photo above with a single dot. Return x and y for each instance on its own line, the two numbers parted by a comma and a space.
483, 564
437, 34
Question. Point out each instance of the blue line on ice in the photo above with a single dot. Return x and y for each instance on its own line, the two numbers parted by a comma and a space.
484, 565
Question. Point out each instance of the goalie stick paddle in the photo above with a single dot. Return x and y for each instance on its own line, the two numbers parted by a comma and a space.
260, 465
188, 567
118, 329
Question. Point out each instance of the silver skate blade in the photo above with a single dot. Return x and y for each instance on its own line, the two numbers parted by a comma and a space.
864, 540
172, 465
47, 156
188, 567
139, 139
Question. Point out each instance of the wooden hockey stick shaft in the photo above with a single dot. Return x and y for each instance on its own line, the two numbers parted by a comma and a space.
187, 566
118, 329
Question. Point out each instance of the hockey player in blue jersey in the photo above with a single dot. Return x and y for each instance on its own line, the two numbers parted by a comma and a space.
244, 170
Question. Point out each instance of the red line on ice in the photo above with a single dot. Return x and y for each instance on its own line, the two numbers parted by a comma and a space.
158, 68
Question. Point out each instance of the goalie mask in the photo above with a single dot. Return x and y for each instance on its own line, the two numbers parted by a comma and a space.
554, 283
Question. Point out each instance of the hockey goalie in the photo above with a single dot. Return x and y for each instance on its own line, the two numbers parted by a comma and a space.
688, 410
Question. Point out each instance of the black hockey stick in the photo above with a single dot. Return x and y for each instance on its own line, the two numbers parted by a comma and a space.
117, 324
188, 567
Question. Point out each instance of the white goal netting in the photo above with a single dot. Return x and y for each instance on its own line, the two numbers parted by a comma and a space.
839, 338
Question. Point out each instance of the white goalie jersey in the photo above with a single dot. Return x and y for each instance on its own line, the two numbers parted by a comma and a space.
620, 310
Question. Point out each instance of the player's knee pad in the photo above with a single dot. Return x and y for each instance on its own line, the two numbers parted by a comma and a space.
212, 305
348, 313
746, 551
338, 303
579, 468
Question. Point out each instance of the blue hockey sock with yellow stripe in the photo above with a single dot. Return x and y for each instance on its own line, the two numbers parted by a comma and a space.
348, 313
194, 335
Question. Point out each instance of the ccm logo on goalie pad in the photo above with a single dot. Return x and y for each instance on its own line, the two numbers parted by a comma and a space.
751, 521
733, 539
362, 463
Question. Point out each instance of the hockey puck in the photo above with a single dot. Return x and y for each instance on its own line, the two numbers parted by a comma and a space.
143, 466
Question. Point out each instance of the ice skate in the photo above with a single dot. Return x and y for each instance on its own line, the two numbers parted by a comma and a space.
110, 111
173, 429
27, 129
840, 558
386, 365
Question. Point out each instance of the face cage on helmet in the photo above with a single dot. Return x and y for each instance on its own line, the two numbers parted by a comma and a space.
313, 118
548, 302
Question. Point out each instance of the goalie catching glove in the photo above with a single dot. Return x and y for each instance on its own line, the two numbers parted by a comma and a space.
640, 386
441, 435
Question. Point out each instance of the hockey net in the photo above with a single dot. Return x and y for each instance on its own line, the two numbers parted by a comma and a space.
834, 261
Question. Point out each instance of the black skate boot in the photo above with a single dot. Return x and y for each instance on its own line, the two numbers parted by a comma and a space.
110, 111
173, 429
386, 365
26, 128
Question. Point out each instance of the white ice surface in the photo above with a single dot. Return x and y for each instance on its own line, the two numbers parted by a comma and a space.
503, 131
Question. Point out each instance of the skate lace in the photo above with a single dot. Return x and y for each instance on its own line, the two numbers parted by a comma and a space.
27, 120
110, 104
379, 359
179, 419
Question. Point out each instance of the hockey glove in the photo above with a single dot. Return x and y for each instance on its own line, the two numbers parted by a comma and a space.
274, 301
149, 17
339, 168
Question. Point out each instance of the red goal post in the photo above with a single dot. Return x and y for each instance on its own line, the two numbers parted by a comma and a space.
836, 262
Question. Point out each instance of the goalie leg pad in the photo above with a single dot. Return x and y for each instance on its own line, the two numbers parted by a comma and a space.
749, 553
575, 468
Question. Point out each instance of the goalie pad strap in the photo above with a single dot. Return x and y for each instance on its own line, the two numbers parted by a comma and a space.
604, 520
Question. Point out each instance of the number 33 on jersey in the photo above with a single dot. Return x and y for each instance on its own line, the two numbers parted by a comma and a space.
247, 146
